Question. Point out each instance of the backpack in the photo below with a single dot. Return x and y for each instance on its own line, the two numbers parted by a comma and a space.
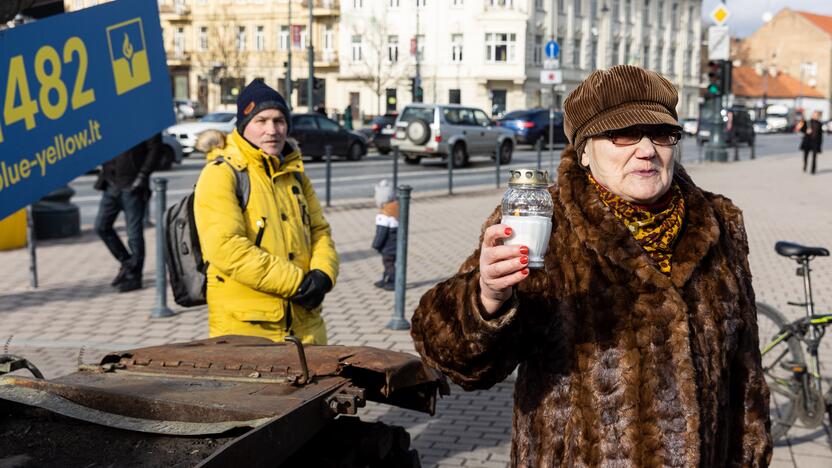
186, 267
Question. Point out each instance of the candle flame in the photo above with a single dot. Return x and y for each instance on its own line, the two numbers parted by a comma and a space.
127, 47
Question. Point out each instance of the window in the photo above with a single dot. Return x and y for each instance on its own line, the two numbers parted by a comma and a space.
481, 117
593, 9
562, 7
328, 37
594, 55
660, 15
241, 38
203, 38
392, 49
304, 122
691, 19
659, 58
327, 124
393, 3
420, 46
576, 54
616, 9
502, 3
537, 52
283, 39
456, 48
421, 3
299, 36
456, 3
538, 5
645, 14
356, 48
358, 3
688, 64
616, 56
454, 96
671, 58
674, 13
577, 7
645, 56
499, 47
179, 42
627, 11
259, 39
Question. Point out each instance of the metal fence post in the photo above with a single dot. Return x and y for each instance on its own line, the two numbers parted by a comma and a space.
736, 151
161, 310
451, 173
328, 152
398, 321
539, 146
753, 147
395, 167
31, 242
497, 162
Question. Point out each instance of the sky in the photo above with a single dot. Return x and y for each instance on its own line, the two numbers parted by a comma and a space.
747, 15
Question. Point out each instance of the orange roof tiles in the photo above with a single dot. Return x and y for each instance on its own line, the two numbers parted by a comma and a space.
746, 82
821, 21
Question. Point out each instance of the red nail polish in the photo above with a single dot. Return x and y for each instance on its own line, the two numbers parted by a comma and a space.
508, 231
524, 250
525, 271
524, 260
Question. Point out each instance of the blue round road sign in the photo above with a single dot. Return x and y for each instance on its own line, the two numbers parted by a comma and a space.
552, 49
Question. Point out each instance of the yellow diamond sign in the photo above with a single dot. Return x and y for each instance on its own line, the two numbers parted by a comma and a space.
720, 14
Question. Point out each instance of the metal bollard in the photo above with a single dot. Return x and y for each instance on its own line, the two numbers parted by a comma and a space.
160, 185
753, 147
31, 243
328, 152
398, 321
539, 145
497, 162
451, 173
395, 166
736, 152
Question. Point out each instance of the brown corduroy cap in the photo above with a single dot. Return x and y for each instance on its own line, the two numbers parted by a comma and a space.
616, 98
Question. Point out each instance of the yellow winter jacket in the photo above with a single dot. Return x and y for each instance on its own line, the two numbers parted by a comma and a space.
258, 256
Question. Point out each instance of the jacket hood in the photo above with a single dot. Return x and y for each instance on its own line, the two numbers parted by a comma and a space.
603, 233
239, 152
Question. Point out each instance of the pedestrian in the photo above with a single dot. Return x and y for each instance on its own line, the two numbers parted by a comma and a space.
320, 109
387, 224
271, 261
125, 186
812, 141
637, 342
348, 117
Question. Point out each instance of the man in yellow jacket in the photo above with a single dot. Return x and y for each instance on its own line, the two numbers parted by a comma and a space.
270, 262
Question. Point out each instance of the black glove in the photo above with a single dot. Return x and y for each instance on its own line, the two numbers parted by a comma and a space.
140, 183
312, 290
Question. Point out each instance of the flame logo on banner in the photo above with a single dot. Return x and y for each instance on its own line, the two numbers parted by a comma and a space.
127, 50
128, 53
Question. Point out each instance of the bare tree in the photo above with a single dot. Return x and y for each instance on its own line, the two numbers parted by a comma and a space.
223, 57
377, 70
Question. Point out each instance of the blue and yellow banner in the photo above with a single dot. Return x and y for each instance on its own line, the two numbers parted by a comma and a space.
76, 90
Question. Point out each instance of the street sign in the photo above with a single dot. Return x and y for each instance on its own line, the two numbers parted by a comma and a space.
551, 64
720, 14
719, 43
552, 49
77, 89
551, 77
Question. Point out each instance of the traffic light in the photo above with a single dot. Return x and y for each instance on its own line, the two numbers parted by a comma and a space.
715, 78
416, 90
725, 77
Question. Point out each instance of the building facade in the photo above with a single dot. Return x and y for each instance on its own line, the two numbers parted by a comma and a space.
490, 53
798, 44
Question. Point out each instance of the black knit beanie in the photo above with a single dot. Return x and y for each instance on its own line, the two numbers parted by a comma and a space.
257, 97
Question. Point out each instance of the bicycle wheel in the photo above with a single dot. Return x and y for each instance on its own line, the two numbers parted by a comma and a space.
785, 394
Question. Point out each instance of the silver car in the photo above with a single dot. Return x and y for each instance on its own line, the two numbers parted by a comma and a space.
440, 130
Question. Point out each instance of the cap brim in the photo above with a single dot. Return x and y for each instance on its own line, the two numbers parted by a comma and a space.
628, 116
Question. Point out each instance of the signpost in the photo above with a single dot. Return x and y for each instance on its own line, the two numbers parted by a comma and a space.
719, 53
551, 75
73, 97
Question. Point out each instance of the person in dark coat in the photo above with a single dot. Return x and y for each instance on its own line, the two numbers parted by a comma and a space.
812, 140
387, 225
637, 341
348, 117
125, 182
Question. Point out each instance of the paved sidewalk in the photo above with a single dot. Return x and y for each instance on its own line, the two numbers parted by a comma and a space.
75, 317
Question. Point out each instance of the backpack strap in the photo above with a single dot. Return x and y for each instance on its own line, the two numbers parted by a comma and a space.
242, 187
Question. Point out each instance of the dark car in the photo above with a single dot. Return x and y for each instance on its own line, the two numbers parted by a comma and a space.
532, 126
736, 123
313, 132
380, 132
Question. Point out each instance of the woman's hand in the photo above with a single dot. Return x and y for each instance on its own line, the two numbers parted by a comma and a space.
501, 267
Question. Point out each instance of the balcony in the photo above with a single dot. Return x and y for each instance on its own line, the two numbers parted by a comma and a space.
174, 12
178, 58
325, 7
326, 58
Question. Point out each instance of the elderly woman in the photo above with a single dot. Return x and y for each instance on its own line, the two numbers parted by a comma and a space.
637, 342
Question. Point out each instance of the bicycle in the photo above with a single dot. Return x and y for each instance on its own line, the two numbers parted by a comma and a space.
794, 385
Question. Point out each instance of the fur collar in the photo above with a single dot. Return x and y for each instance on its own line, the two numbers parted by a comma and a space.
597, 227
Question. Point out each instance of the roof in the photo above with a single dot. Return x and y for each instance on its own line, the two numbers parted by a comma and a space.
746, 82
822, 21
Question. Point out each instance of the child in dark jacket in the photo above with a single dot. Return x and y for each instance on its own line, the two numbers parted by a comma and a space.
387, 223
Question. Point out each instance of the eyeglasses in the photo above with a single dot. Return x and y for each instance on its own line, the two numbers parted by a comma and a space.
661, 136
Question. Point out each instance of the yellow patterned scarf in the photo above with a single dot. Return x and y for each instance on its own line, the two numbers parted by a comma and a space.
654, 227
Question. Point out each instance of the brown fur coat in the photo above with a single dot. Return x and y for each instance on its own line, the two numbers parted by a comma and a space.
619, 364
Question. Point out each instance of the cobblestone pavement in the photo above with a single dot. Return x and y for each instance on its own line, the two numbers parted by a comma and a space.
74, 316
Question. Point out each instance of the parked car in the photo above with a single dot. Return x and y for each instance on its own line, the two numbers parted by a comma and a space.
188, 132
171, 152
313, 132
187, 109
532, 126
690, 126
380, 132
736, 122
761, 126
440, 130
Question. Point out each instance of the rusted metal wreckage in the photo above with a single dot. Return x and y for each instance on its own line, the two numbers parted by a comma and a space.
263, 401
